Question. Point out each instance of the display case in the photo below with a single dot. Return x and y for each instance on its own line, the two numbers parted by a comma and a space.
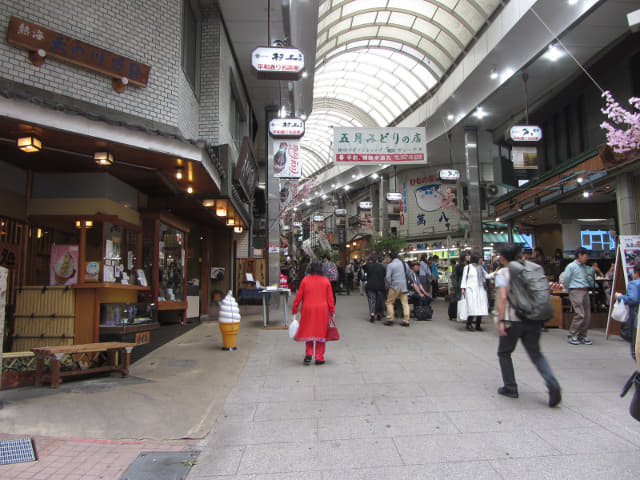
164, 260
127, 322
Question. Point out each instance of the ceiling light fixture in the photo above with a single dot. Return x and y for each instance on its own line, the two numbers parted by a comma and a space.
480, 113
237, 229
179, 173
103, 158
493, 74
30, 144
553, 53
208, 203
586, 194
221, 210
231, 221
190, 189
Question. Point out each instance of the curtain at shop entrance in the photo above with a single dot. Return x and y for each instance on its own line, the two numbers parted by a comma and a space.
13, 238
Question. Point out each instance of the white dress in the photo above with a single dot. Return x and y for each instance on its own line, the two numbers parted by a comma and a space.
475, 293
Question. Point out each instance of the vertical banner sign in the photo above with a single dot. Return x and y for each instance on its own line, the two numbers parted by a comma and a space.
395, 146
627, 256
286, 159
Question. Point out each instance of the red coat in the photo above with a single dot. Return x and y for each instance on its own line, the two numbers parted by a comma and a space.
317, 303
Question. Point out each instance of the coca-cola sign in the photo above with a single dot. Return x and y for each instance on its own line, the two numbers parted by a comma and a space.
286, 159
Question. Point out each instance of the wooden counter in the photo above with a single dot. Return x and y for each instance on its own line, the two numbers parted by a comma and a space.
89, 296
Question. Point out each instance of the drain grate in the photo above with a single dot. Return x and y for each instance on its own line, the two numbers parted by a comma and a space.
17, 451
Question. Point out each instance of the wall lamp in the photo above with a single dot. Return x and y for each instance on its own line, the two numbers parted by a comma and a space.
231, 221
84, 223
237, 229
179, 173
221, 210
103, 158
30, 144
209, 203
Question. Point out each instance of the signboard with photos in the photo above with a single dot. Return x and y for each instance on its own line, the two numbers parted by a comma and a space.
391, 145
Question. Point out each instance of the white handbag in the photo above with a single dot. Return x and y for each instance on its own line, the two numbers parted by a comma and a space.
463, 312
620, 311
293, 327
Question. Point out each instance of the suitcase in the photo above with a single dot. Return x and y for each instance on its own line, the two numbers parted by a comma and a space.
453, 309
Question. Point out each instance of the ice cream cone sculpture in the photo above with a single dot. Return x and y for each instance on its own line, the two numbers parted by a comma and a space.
229, 321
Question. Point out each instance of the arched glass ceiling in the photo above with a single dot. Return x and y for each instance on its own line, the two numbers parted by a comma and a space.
376, 58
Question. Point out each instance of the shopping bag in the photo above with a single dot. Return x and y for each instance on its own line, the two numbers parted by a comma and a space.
293, 327
332, 331
620, 311
462, 310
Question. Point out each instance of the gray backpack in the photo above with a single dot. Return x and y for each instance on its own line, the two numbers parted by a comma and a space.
529, 292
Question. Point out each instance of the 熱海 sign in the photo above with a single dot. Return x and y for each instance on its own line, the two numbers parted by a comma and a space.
48, 43
392, 145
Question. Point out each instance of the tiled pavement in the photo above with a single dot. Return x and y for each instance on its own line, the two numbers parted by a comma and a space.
393, 402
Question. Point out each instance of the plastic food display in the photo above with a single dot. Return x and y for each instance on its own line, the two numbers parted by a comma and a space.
229, 321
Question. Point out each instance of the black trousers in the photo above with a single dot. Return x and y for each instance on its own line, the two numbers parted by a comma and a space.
377, 300
529, 333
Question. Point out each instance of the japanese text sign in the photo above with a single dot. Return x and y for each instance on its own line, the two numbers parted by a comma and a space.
286, 127
358, 146
279, 63
35, 38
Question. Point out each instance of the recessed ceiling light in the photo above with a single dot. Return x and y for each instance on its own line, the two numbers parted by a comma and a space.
553, 53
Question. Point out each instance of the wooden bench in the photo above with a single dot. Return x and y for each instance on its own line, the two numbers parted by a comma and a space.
56, 353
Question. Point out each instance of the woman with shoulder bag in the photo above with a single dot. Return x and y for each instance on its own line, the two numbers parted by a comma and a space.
473, 289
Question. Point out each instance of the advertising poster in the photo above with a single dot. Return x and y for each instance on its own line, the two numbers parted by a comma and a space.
630, 254
286, 159
64, 265
428, 205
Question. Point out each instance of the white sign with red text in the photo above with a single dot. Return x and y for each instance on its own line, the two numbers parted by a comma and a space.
286, 159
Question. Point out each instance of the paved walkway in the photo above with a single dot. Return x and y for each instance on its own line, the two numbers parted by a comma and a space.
390, 402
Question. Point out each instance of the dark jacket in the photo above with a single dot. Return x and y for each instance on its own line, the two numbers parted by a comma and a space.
375, 276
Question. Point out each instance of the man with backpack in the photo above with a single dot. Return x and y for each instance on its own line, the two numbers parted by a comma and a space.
522, 308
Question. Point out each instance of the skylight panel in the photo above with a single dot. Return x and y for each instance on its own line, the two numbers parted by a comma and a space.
403, 19
358, 5
418, 7
400, 35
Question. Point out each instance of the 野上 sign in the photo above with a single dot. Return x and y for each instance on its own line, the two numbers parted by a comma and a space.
286, 128
392, 145
449, 174
394, 197
524, 133
277, 63
43, 43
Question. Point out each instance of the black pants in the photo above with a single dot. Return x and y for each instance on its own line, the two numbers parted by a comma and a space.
376, 300
470, 320
334, 287
529, 333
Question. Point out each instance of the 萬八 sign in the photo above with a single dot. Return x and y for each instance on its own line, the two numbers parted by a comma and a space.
392, 145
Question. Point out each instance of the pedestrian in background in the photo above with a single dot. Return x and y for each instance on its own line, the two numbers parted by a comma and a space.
473, 290
576, 282
425, 275
435, 276
511, 328
396, 280
631, 300
330, 270
374, 272
318, 308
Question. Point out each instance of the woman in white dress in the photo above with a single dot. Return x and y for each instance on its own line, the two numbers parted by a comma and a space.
473, 289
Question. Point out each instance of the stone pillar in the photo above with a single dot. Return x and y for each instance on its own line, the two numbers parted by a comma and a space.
627, 208
473, 186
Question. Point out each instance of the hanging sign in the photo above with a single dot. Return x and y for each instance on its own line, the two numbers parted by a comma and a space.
365, 205
297, 224
449, 174
394, 197
286, 159
277, 63
392, 145
286, 128
318, 218
340, 212
524, 133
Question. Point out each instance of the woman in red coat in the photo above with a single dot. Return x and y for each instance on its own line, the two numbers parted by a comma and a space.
317, 307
